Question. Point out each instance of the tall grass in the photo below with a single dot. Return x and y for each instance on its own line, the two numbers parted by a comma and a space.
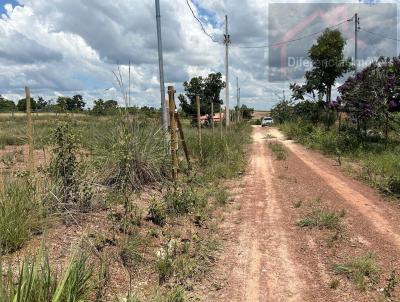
220, 158
131, 154
21, 214
36, 280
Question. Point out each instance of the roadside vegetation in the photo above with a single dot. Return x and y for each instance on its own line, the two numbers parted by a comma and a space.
164, 232
361, 125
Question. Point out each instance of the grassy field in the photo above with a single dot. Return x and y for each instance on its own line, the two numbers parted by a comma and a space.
106, 187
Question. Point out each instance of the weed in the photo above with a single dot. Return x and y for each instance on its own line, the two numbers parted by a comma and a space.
157, 212
297, 204
184, 200
334, 284
221, 196
392, 281
176, 294
164, 264
36, 280
322, 219
17, 202
278, 150
361, 270
132, 251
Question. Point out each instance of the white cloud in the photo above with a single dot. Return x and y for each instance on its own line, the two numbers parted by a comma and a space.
62, 47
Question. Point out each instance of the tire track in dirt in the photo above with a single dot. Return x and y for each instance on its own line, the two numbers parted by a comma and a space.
371, 211
262, 267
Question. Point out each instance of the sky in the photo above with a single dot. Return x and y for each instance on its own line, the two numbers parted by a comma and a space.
66, 47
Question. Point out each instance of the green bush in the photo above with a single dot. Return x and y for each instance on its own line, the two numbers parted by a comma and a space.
157, 212
183, 200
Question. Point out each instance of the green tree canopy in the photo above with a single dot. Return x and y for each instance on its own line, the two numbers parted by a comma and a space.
21, 106
328, 61
75, 103
208, 89
6, 105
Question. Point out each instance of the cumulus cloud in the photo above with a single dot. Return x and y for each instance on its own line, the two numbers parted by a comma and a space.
63, 47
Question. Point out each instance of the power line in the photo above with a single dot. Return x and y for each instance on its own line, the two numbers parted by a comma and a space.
383, 36
297, 39
201, 24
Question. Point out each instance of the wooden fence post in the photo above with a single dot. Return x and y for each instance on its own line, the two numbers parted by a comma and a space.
29, 131
174, 158
220, 120
199, 124
185, 148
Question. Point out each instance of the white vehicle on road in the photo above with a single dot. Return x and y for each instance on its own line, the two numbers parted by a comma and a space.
266, 121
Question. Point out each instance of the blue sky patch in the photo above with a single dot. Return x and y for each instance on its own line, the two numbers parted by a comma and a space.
14, 3
205, 15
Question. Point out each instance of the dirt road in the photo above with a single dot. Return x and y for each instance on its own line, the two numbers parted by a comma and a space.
268, 257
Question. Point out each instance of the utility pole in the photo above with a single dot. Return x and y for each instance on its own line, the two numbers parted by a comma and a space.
164, 117
356, 28
226, 42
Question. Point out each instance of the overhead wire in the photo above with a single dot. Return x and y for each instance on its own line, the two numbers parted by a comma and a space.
201, 24
294, 40
376, 34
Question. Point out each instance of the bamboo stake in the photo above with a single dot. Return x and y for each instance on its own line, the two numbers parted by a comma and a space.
171, 92
29, 131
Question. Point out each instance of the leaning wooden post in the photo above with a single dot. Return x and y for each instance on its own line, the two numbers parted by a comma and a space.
199, 124
185, 148
174, 158
29, 131
212, 118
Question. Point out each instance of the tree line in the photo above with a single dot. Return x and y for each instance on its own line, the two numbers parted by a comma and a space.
75, 103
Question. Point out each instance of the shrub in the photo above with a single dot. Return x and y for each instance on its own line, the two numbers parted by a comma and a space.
157, 212
72, 190
184, 200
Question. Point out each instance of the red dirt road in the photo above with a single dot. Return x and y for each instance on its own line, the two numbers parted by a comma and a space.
267, 257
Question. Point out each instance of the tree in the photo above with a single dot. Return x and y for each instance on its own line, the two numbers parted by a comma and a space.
75, 103
102, 107
328, 61
98, 108
247, 113
21, 106
41, 104
6, 105
208, 89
